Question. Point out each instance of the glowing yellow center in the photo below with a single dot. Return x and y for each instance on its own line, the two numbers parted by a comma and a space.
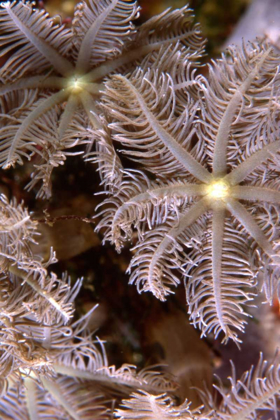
75, 85
218, 189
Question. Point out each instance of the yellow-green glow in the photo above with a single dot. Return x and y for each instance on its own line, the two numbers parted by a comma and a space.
218, 189
75, 85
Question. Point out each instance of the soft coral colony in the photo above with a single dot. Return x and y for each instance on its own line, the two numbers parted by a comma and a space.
204, 197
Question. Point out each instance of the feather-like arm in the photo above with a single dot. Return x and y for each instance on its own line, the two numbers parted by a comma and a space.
36, 42
231, 127
256, 391
143, 108
221, 279
144, 406
162, 252
101, 27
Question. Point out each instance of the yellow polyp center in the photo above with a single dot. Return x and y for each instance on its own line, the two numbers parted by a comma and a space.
218, 189
76, 86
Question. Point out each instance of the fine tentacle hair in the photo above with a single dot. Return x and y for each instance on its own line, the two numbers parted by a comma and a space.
187, 158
